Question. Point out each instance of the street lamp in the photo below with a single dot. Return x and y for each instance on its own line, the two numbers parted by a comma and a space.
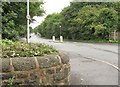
60, 30
61, 38
28, 18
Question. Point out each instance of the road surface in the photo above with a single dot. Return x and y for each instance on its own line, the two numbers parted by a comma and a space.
91, 63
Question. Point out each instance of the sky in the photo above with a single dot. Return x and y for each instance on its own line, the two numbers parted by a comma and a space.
51, 6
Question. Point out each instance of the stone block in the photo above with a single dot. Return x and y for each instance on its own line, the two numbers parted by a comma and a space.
0, 75
64, 58
66, 81
22, 75
23, 64
47, 81
35, 75
42, 72
59, 69
17, 82
5, 65
50, 71
59, 76
6, 82
66, 71
32, 82
48, 61
6, 76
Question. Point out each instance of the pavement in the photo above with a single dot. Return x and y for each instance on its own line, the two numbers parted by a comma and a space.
91, 63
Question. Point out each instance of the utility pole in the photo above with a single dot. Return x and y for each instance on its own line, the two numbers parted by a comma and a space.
28, 18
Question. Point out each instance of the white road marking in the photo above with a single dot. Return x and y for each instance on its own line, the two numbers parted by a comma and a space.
114, 66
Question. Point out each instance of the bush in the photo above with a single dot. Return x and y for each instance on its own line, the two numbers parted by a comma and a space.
20, 49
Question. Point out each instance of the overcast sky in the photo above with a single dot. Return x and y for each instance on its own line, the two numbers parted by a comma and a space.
51, 6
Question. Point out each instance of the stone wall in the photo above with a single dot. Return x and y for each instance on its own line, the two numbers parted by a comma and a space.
46, 70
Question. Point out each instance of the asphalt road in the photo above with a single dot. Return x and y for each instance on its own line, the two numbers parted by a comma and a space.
91, 63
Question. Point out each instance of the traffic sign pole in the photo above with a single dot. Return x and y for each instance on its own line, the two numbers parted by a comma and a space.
28, 31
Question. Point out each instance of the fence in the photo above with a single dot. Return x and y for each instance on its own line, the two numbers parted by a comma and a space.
114, 35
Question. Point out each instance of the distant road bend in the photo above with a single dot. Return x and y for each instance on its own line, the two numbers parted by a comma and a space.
91, 63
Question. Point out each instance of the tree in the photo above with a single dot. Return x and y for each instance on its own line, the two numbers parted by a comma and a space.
14, 18
51, 26
83, 21
108, 17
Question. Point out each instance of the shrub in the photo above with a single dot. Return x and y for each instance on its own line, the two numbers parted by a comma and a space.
20, 49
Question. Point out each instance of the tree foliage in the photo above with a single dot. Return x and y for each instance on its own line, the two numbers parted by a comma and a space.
51, 26
14, 18
84, 20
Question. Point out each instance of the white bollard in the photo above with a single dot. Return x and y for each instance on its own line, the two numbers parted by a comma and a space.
61, 38
53, 37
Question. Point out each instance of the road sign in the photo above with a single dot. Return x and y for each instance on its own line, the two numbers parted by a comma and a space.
28, 17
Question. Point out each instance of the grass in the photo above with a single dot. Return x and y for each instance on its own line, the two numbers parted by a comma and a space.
20, 49
11, 81
96, 41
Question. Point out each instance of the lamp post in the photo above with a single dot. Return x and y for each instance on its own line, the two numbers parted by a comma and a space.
28, 18
60, 30
61, 38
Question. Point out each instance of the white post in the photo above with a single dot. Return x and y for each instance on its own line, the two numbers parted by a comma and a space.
61, 38
28, 21
53, 37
